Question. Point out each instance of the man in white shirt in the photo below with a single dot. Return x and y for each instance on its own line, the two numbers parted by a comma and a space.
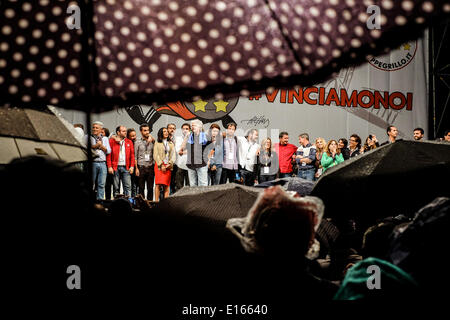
248, 149
121, 160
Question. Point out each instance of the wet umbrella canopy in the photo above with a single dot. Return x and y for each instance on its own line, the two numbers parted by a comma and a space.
98, 54
25, 132
393, 179
418, 246
208, 203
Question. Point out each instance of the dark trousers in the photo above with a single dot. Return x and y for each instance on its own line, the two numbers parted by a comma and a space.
108, 186
227, 174
285, 175
181, 178
249, 177
134, 185
146, 175
265, 178
173, 185
214, 176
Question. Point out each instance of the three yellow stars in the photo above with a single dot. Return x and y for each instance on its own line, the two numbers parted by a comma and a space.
220, 105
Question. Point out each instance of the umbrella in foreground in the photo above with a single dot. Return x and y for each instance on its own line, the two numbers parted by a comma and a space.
302, 186
105, 53
212, 205
393, 179
418, 246
26, 132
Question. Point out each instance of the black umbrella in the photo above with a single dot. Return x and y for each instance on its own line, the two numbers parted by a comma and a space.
26, 132
393, 179
302, 186
419, 246
105, 53
212, 205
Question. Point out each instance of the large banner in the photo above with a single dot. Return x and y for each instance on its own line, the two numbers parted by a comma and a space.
387, 90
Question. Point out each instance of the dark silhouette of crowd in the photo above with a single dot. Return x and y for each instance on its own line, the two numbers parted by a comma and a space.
172, 252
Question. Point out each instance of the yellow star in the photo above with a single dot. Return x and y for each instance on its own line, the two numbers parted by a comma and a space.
221, 105
407, 46
200, 105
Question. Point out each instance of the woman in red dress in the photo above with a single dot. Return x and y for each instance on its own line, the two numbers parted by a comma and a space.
164, 155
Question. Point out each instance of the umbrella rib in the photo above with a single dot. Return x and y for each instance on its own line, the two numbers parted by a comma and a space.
286, 38
46, 141
18, 149
54, 150
32, 125
90, 70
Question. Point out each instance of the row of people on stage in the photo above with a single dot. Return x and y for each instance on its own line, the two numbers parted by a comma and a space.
198, 157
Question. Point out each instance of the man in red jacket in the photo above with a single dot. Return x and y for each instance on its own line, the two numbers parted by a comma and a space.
121, 160
285, 150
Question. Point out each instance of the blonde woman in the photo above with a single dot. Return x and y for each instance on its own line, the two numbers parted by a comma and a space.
332, 155
320, 149
164, 156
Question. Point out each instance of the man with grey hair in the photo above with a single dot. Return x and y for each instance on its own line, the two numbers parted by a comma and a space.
101, 148
195, 143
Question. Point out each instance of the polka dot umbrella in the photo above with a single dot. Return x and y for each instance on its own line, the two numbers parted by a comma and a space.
94, 55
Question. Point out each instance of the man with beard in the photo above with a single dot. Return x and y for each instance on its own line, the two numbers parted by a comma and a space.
145, 171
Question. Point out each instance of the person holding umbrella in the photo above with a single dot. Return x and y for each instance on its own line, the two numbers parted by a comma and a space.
164, 156
332, 155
